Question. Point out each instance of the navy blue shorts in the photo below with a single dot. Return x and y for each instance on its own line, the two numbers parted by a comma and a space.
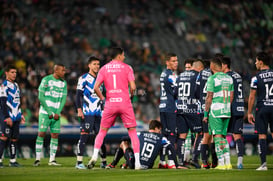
90, 124
264, 117
10, 132
236, 124
168, 121
188, 121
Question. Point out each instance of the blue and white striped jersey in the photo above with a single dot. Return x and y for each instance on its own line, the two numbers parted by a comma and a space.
12, 92
87, 99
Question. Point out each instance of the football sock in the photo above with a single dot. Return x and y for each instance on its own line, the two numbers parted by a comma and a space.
39, 146
134, 140
204, 155
219, 152
262, 150
81, 144
197, 148
118, 155
187, 152
102, 152
226, 151
129, 157
53, 148
99, 139
12, 149
162, 156
2, 147
172, 139
240, 151
240, 147
180, 150
213, 154
137, 161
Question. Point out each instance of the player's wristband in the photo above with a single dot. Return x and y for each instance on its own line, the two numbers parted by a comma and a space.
206, 114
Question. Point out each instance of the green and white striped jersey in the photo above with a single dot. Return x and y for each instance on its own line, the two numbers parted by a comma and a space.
52, 95
221, 85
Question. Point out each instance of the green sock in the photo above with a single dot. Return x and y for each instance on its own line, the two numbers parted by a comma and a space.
187, 153
226, 151
219, 152
53, 148
38, 147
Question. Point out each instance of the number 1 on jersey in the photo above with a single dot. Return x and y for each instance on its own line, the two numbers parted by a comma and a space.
114, 81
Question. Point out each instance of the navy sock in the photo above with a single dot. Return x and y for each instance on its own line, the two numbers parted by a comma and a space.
2, 147
240, 147
12, 149
197, 148
262, 150
130, 158
118, 155
102, 151
81, 144
172, 139
204, 153
213, 154
180, 150
162, 154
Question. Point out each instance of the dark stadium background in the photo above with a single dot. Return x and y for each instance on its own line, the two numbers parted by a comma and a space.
35, 34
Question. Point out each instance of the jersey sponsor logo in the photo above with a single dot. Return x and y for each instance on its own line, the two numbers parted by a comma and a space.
268, 103
266, 75
119, 99
115, 91
163, 105
240, 109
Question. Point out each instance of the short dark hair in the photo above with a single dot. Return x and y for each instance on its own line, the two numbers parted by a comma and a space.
206, 63
189, 60
226, 60
9, 67
264, 57
219, 55
217, 61
169, 55
115, 51
155, 124
92, 58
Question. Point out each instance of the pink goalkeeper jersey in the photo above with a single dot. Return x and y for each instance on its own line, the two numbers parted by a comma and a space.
116, 75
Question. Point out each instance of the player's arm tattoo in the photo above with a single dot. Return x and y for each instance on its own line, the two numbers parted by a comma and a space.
208, 101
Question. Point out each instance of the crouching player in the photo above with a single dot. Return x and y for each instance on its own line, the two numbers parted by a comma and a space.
151, 143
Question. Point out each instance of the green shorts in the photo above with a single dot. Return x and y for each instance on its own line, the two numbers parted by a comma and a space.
45, 122
218, 125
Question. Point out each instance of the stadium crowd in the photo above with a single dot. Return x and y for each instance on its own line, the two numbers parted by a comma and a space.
36, 34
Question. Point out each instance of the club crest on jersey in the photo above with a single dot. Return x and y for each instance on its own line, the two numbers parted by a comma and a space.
87, 125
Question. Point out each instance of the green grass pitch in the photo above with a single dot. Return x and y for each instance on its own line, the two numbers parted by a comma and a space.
67, 172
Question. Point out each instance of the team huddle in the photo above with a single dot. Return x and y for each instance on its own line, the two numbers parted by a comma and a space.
204, 103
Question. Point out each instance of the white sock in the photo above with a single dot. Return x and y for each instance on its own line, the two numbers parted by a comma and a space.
227, 158
95, 154
240, 160
79, 158
137, 162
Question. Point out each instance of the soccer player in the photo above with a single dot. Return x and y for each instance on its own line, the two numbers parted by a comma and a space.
187, 154
167, 106
237, 110
116, 75
262, 85
218, 111
89, 110
52, 96
187, 111
10, 115
206, 141
150, 145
